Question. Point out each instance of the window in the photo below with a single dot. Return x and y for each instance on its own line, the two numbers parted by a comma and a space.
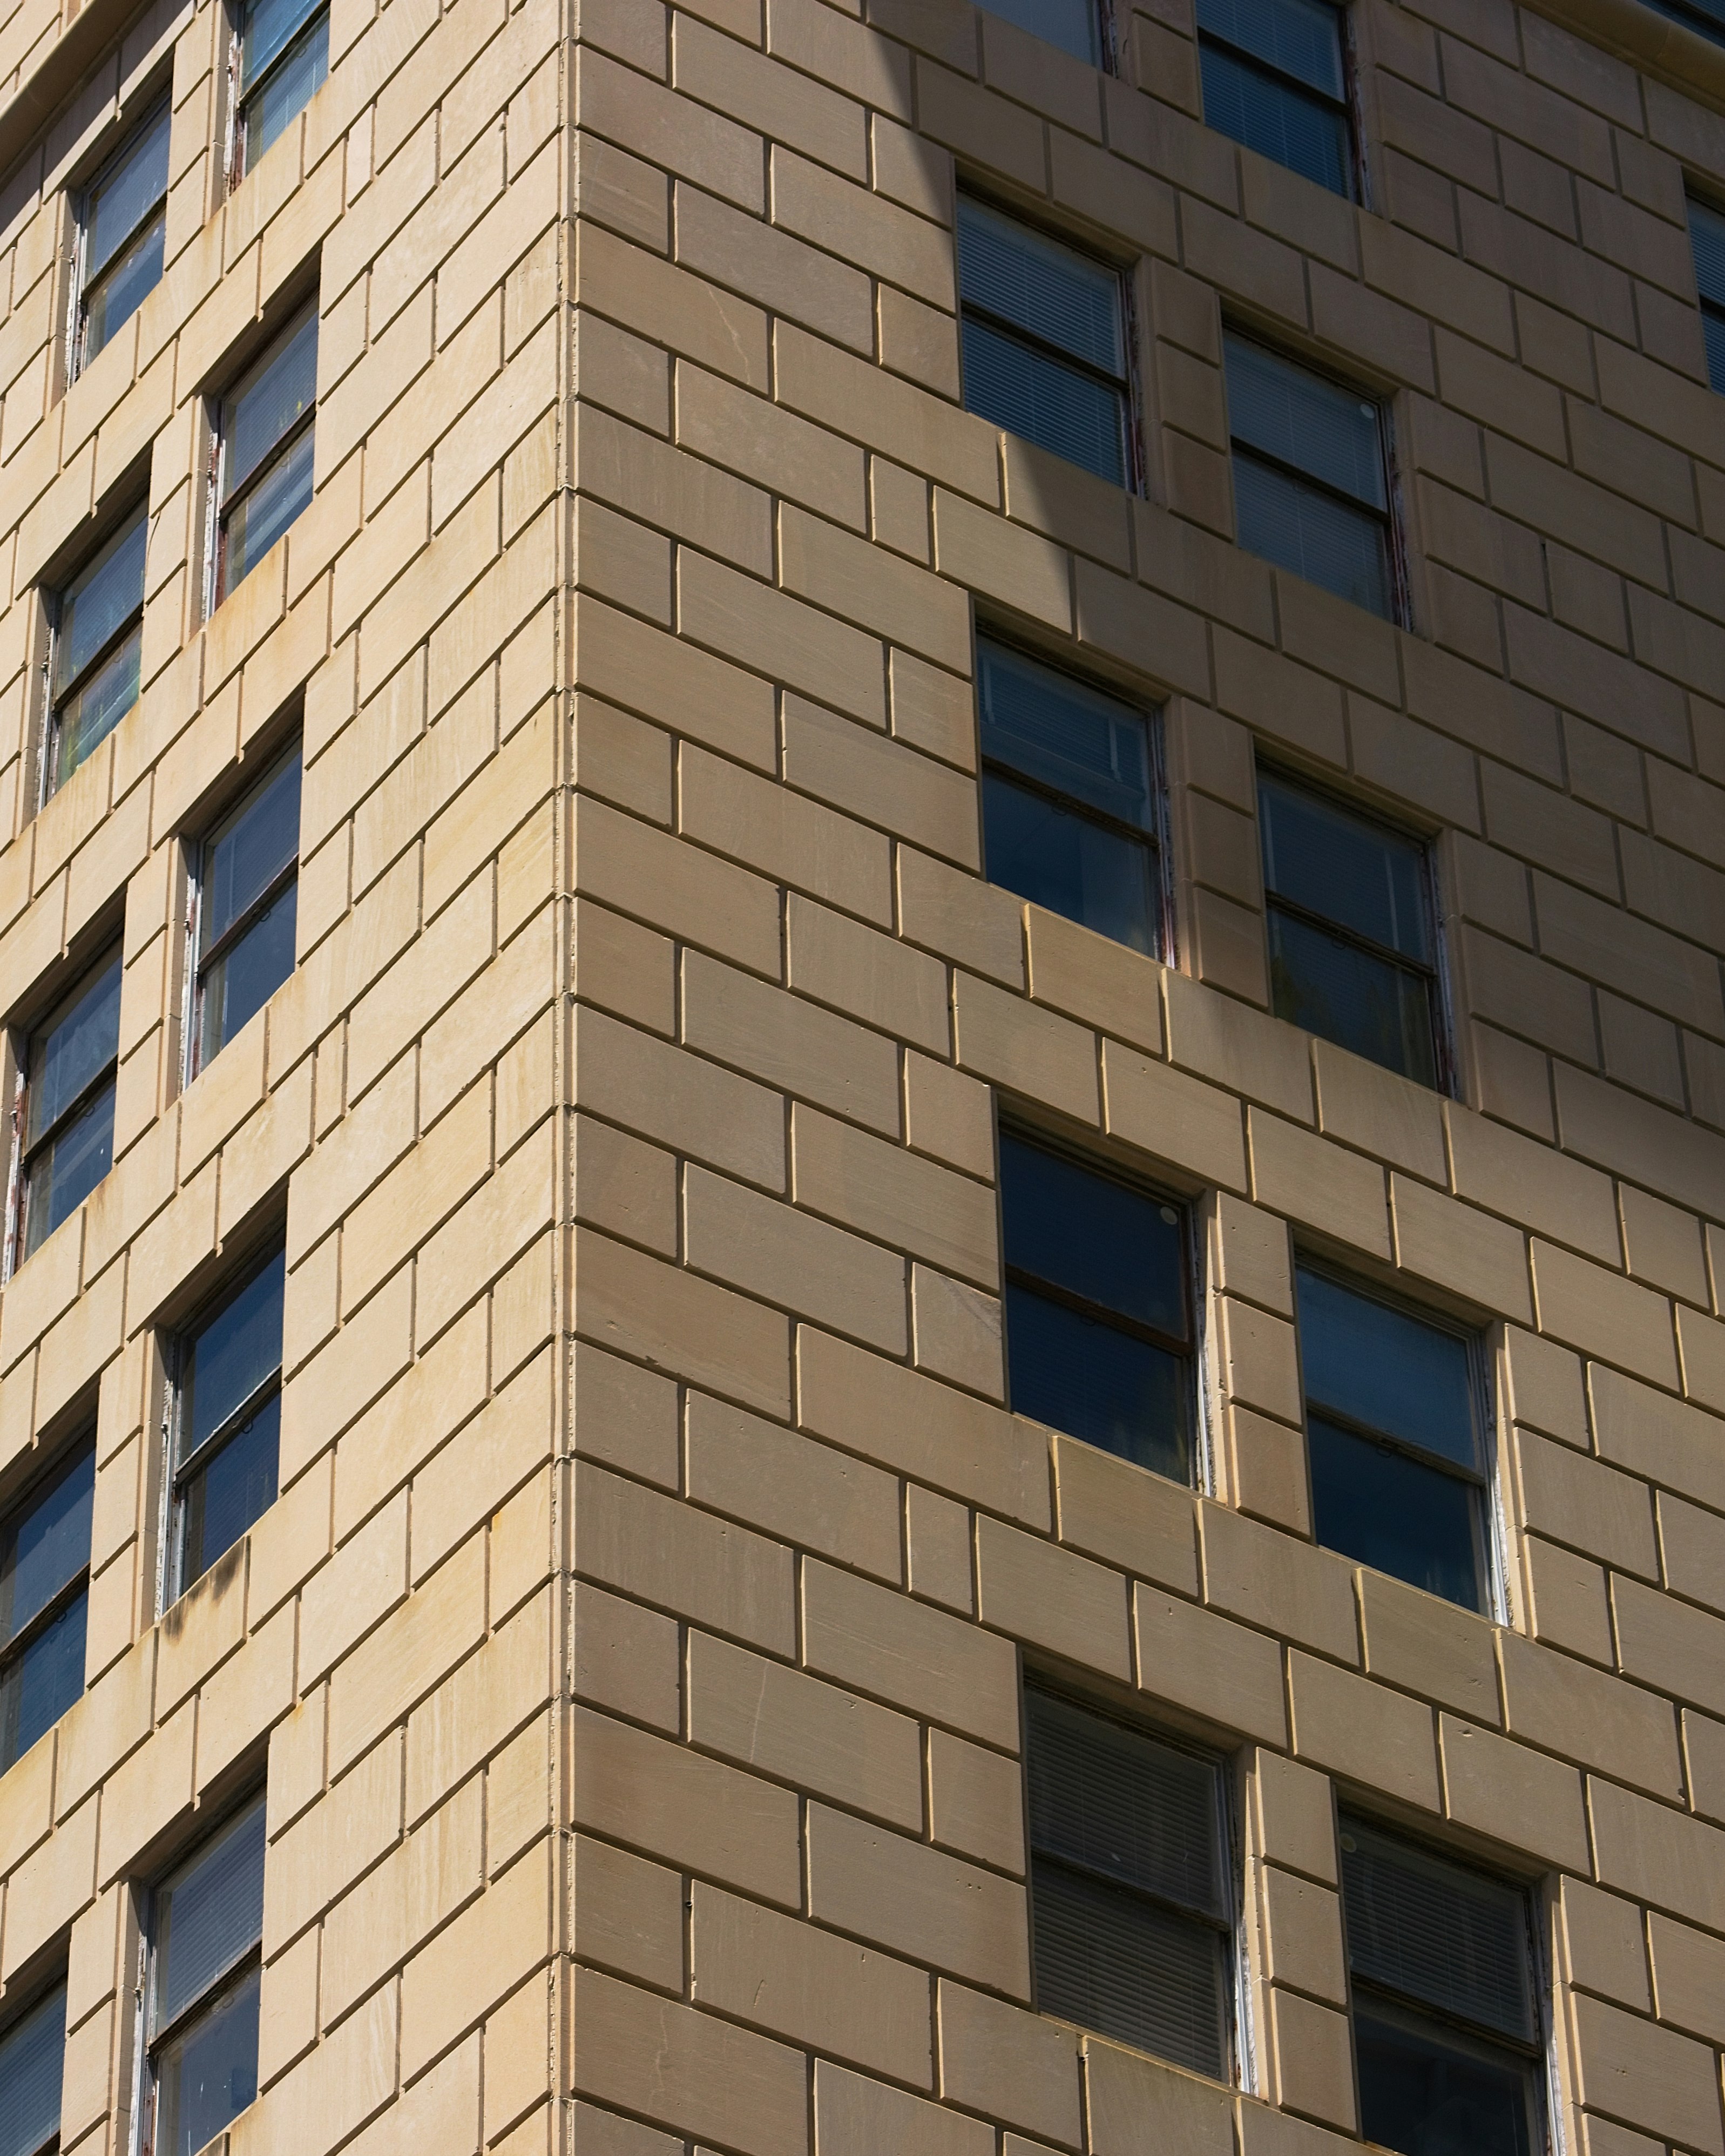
1445, 2029
32, 2063
1705, 17
1707, 233
226, 1424
1353, 950
207, 1924
98, 647
262, 472
1076, 26
1069, 799
1098, 1308
45, 1586
1310, 476
67, 1123
1131, 1923
1396, 1428
122, 235
1043, 334
1274, 78
281, 53
244, 911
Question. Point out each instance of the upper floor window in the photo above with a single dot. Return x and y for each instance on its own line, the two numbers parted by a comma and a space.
67, 1119
1445, 2031
97, 656
227, 1424
44, 1588
243, 910
1042, 333
1098, 1308
1132, 1921
122, 237
1070, 797
281, 53
205, 1930
1705, 17
261, 468
1706, 234
1353, 944
1310, 475
1076, 26
1396, 1435
32, 2066
1274, 78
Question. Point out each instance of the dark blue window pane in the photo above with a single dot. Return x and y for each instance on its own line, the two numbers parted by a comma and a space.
259, 521
1422, 2092
1299, 38
93, 710
1707, 232
1713, 328
268, 403
1705, 17
127, 286
1113, 1390
1071, 737
82, 1039
245, 857
1129, 1969
38, 1687
1333, 988
1301, 419
1387, 1369
246, 976
206, 2077
1067, 412
1071, 25
209, 1916
45, 1545
236, 1489
32, 2059
1094, 1237
1437, 1933
1022, 277
68, 1168
1312, 534
231, 1357
1277, 119
289, 89
1352, 871
268, 28
1058, 857
100, 601
1384, 1509
126, 194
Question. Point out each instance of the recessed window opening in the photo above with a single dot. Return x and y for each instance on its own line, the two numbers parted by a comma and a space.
226, 1423
1446, 2024
262, 452
243, 910
1395, 1423
1274, 77
122, 238
1351, 921
1099, 1328
1707, 235
96, 659
281, 56
1076, 26
1071, 797
206, 1932
33, 2051
1705, 17
1044, 341
66, 1114
1310, 475
1131, 1914
44, 1594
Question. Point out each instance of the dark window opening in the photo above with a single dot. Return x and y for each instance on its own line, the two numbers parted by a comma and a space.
44, 1594
281, 56
33, 2052
1275, 78
227, 1422
66, 1118
122, 237
245, 911
96, 663
263, 453
1076, 26
1707, 235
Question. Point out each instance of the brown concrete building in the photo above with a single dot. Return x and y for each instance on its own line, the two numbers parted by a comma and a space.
862, 897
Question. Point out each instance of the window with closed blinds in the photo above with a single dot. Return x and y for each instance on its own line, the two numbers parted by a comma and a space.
1707, 235
1274, 78
1132, 1907
1446, 2025
1043, 338
1076, 26
33, 2049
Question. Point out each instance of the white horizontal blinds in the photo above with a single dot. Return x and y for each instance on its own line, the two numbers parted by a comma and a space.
1074, 25
1310, 478
1129, 1888
1437, 1934
1044, 340
209, 1915
31, 2060
208, 1922
1707, 233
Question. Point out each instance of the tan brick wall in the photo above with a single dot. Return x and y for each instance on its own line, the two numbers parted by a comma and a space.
635, 1648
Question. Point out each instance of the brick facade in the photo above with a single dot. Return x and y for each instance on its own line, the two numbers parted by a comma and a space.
633, 1652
